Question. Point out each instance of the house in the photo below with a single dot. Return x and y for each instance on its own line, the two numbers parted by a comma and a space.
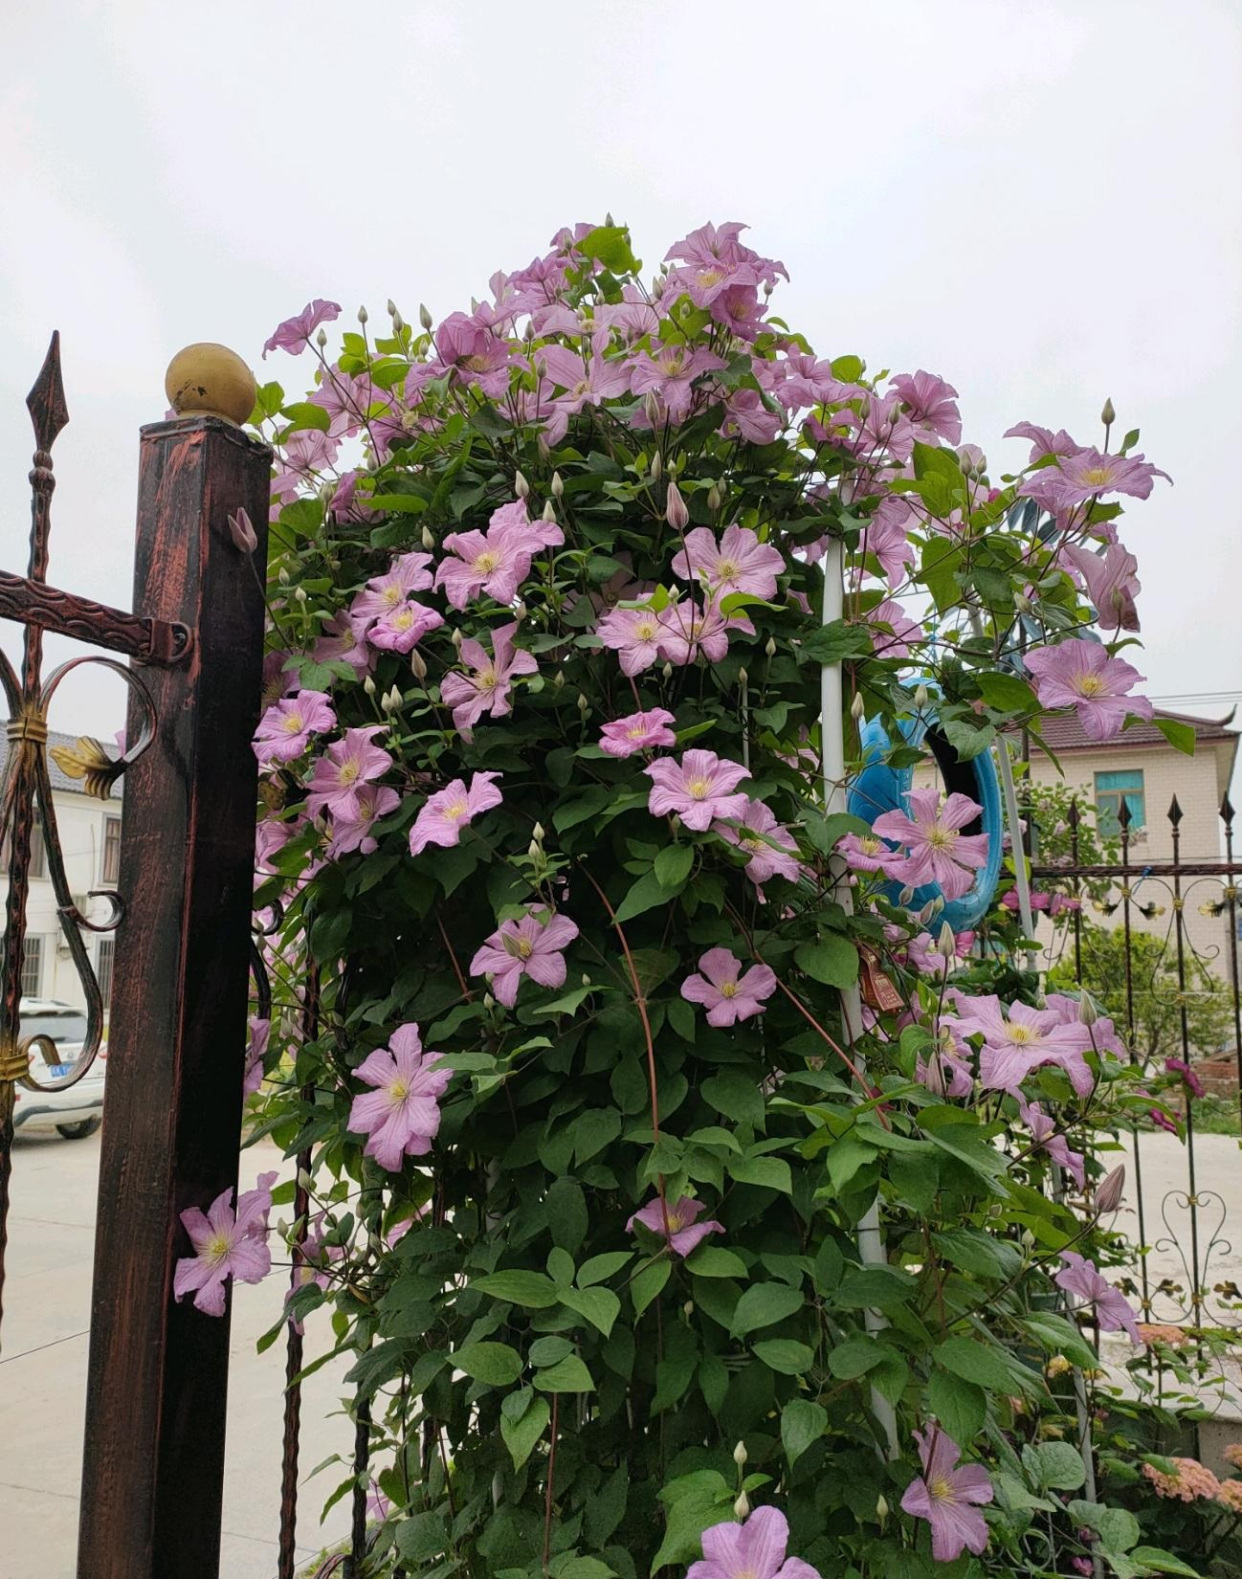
90, 843
1142, 769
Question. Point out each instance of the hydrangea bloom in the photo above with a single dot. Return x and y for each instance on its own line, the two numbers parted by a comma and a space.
624, 737
947, 1495
937, 851
1190, 1482
533, 946
678, 1221
727, 994
449, 810
486, 688
1080, 674
700, 788
738, 563
285, 730
752, 1550
401, 1117
1112, 1309
226, 1245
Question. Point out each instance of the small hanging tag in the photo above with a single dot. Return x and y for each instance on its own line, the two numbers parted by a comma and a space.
878, 992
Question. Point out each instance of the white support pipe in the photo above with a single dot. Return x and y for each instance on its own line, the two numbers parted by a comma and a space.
832, 747
1021, 877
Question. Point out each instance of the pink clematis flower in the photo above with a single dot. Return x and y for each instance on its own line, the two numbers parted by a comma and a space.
945, 1072
1043, 440
496, 561
449, 810
764, 841
683, 1232
1112, 1309
285, 730
340, 640
669, 370
1026, 1039
1080, 674
930, 404
700, 788
1089, 473
937, 850
865, 853
472, 354
638, 732
226, 1244
404, 627
256, 1051
1112, 583
349, 764
946, 1494
1180, 1068
295, 333
892, 630
533, 946
722, 989
738, 563
753, 1550
583, 385
635, 634
354, 833
383, 594
686, 630
486, 688
1045, 1138
885, 536
401, 1116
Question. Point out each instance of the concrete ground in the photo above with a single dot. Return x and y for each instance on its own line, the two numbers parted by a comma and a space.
43, 1383
43, 1363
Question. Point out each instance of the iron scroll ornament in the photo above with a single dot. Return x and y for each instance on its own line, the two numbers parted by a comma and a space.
880, 788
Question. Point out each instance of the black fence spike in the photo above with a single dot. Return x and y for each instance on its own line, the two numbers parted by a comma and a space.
1226, 810
1072, 815
46, 401
1124, 815
1175, 812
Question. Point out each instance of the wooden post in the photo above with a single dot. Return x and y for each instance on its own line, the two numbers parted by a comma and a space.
154, 1450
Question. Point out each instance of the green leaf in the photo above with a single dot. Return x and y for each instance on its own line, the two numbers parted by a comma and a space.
694, 1502
520, 1436
672, 865
398, 503
831, 959
764, 1304
1162, 1562
736, 1095
770, 1172
849, 369
648, 1281
785, 1355
1060, 1466
802, 1424
878, 1287
713, 1261
494, 1363
611, 245
569, 1375
644, 895
593, 1130
834, 643
939, 571
1180, 736
855, 1358
600, 1306
981, 1363
305, 414
960, 1406
598, 1268
1007, 693
532, 1289
1056, 1335
561, 1268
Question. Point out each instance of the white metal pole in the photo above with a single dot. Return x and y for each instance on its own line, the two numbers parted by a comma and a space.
832, 747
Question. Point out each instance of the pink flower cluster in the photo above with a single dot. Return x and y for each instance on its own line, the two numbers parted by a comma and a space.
1190, 1481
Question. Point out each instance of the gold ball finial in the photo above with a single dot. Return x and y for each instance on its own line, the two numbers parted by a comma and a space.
209, 380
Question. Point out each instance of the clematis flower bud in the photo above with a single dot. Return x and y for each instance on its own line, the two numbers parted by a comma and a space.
520, 486
946, 943
428, 538
1087, 1013
282, 575
538, 833
392, 309
742, 1506
398, 323
558, 486
586, 980
609, 220
667, 671
881, 1507
857, 708
687, 1309
368, 685
528, 334
242, 531
321, 339
489, 1003
456, 639
769, 647
541, 448
927, 914
535, 850
675, 511
657, 287
300, 594
519, 611
657, 467
651, 407
743, 679
424, 317
906, 895
549, 511
418, 665
1110, 1190
392, 700
363, 315
921, 696
558, 680
740, 1455
1108, 416
714, 498
584, 706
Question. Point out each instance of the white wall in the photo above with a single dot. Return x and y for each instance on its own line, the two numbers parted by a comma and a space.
80, 820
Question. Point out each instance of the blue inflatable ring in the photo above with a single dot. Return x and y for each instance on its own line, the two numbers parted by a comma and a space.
880, 788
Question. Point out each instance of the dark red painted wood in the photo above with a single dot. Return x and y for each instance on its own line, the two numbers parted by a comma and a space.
154, 1450
150, 641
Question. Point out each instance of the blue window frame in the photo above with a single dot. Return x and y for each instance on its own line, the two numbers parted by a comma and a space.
1111, 789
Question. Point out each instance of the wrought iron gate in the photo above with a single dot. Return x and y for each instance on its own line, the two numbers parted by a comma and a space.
151, 1490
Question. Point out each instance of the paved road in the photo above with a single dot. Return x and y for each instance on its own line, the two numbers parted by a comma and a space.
43, 1383
43, 1366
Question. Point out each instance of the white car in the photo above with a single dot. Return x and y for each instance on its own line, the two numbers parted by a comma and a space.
77, 1110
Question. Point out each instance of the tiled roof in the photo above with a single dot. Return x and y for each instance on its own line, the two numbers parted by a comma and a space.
60, 779
1064, 733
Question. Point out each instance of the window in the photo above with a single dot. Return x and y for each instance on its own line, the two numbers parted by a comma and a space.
1111, 789
32, 968
103, 967
38, 855
112, 850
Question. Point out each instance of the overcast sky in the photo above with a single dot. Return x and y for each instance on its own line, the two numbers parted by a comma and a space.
1041, 202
